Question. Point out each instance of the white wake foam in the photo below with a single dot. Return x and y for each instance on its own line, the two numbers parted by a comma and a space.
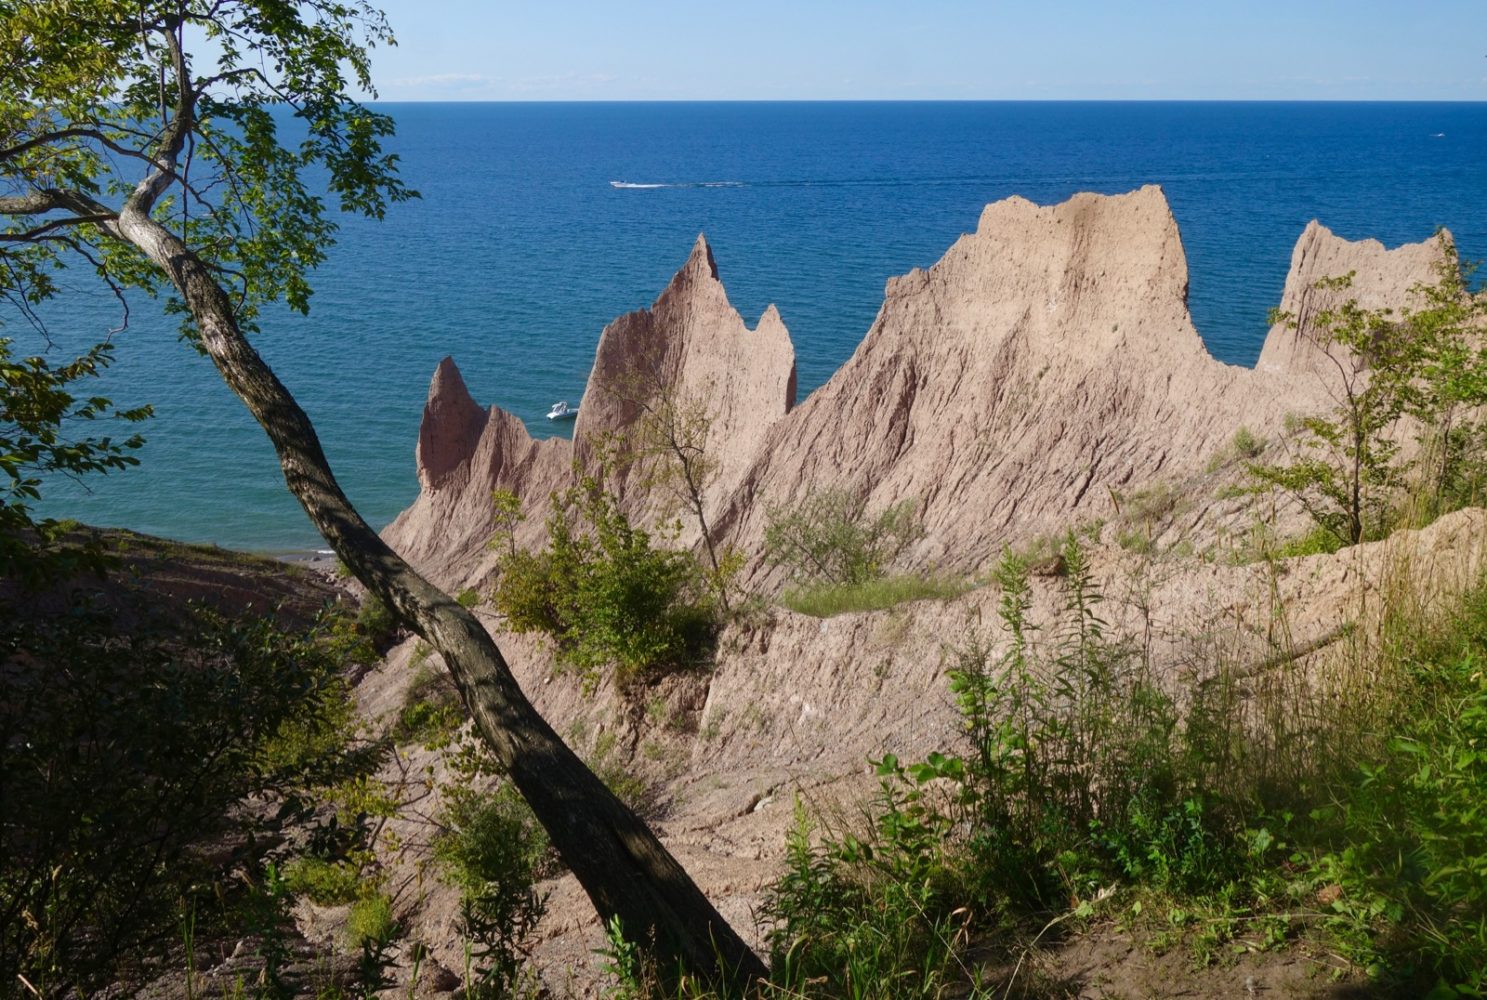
631, 185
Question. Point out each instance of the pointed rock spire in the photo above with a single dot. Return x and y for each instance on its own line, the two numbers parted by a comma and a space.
451, 427
702, 255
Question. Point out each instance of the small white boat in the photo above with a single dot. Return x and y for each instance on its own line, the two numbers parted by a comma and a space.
562, 411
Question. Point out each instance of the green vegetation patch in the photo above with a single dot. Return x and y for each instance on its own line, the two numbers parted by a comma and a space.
829, 537
1082, 788
1401, 844
370, 922
127, 754
493, 850
327, 883
607, 595
432, 711
825, 600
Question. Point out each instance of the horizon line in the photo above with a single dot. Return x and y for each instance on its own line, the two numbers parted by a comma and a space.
928, 100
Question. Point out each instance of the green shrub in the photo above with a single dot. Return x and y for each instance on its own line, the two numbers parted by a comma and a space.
1261, 543
372, 928
428, 723
492, 849
1317, 541
829, 537
827, 599
113, 780
606, 595
263, 912
468, 598
1084, 768
1146, 514
1423, 370
867, 919
432, 711
327, 883
376, 622
1247, 444
1137, 540
1080, 771
1405, 835
1152, 504
313, 742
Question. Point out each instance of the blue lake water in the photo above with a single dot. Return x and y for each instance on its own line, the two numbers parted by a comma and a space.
521, 249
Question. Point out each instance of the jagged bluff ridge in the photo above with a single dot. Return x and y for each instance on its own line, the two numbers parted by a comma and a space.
1047, 361
1044, 365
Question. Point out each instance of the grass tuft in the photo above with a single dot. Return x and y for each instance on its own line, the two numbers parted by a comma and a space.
324, 882
825, 600
371, 921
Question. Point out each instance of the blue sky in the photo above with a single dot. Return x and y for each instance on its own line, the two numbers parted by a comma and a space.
934, 49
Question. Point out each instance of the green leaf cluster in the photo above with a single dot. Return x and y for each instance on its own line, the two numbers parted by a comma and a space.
606, 594
39, 413
1418, 372
830, 538
243, 103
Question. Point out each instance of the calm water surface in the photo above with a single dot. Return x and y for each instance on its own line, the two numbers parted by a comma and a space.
521, 249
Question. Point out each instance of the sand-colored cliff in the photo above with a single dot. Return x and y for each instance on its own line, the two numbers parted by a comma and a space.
1047, 361
1043, 369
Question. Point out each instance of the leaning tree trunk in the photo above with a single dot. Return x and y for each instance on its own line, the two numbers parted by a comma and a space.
625, 870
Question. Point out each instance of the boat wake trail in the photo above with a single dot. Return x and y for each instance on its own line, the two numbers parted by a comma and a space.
628, 185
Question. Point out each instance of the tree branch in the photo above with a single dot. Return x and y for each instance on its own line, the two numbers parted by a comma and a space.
48, 138
31, 235
36, 202
172, 137
83, 250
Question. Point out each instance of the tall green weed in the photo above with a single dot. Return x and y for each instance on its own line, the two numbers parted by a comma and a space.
1402, 840
491, 848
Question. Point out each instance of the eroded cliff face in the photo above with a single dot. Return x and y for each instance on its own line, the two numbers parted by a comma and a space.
465, 452
1381, 279
1044, 366
1045, 363
691, 351
690, 347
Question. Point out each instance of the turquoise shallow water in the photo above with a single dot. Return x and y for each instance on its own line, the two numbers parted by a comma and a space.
521, 249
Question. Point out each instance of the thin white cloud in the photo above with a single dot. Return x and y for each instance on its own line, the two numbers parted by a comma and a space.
582, 81
456, 81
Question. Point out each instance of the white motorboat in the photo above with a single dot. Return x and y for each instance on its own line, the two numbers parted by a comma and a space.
562, 411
